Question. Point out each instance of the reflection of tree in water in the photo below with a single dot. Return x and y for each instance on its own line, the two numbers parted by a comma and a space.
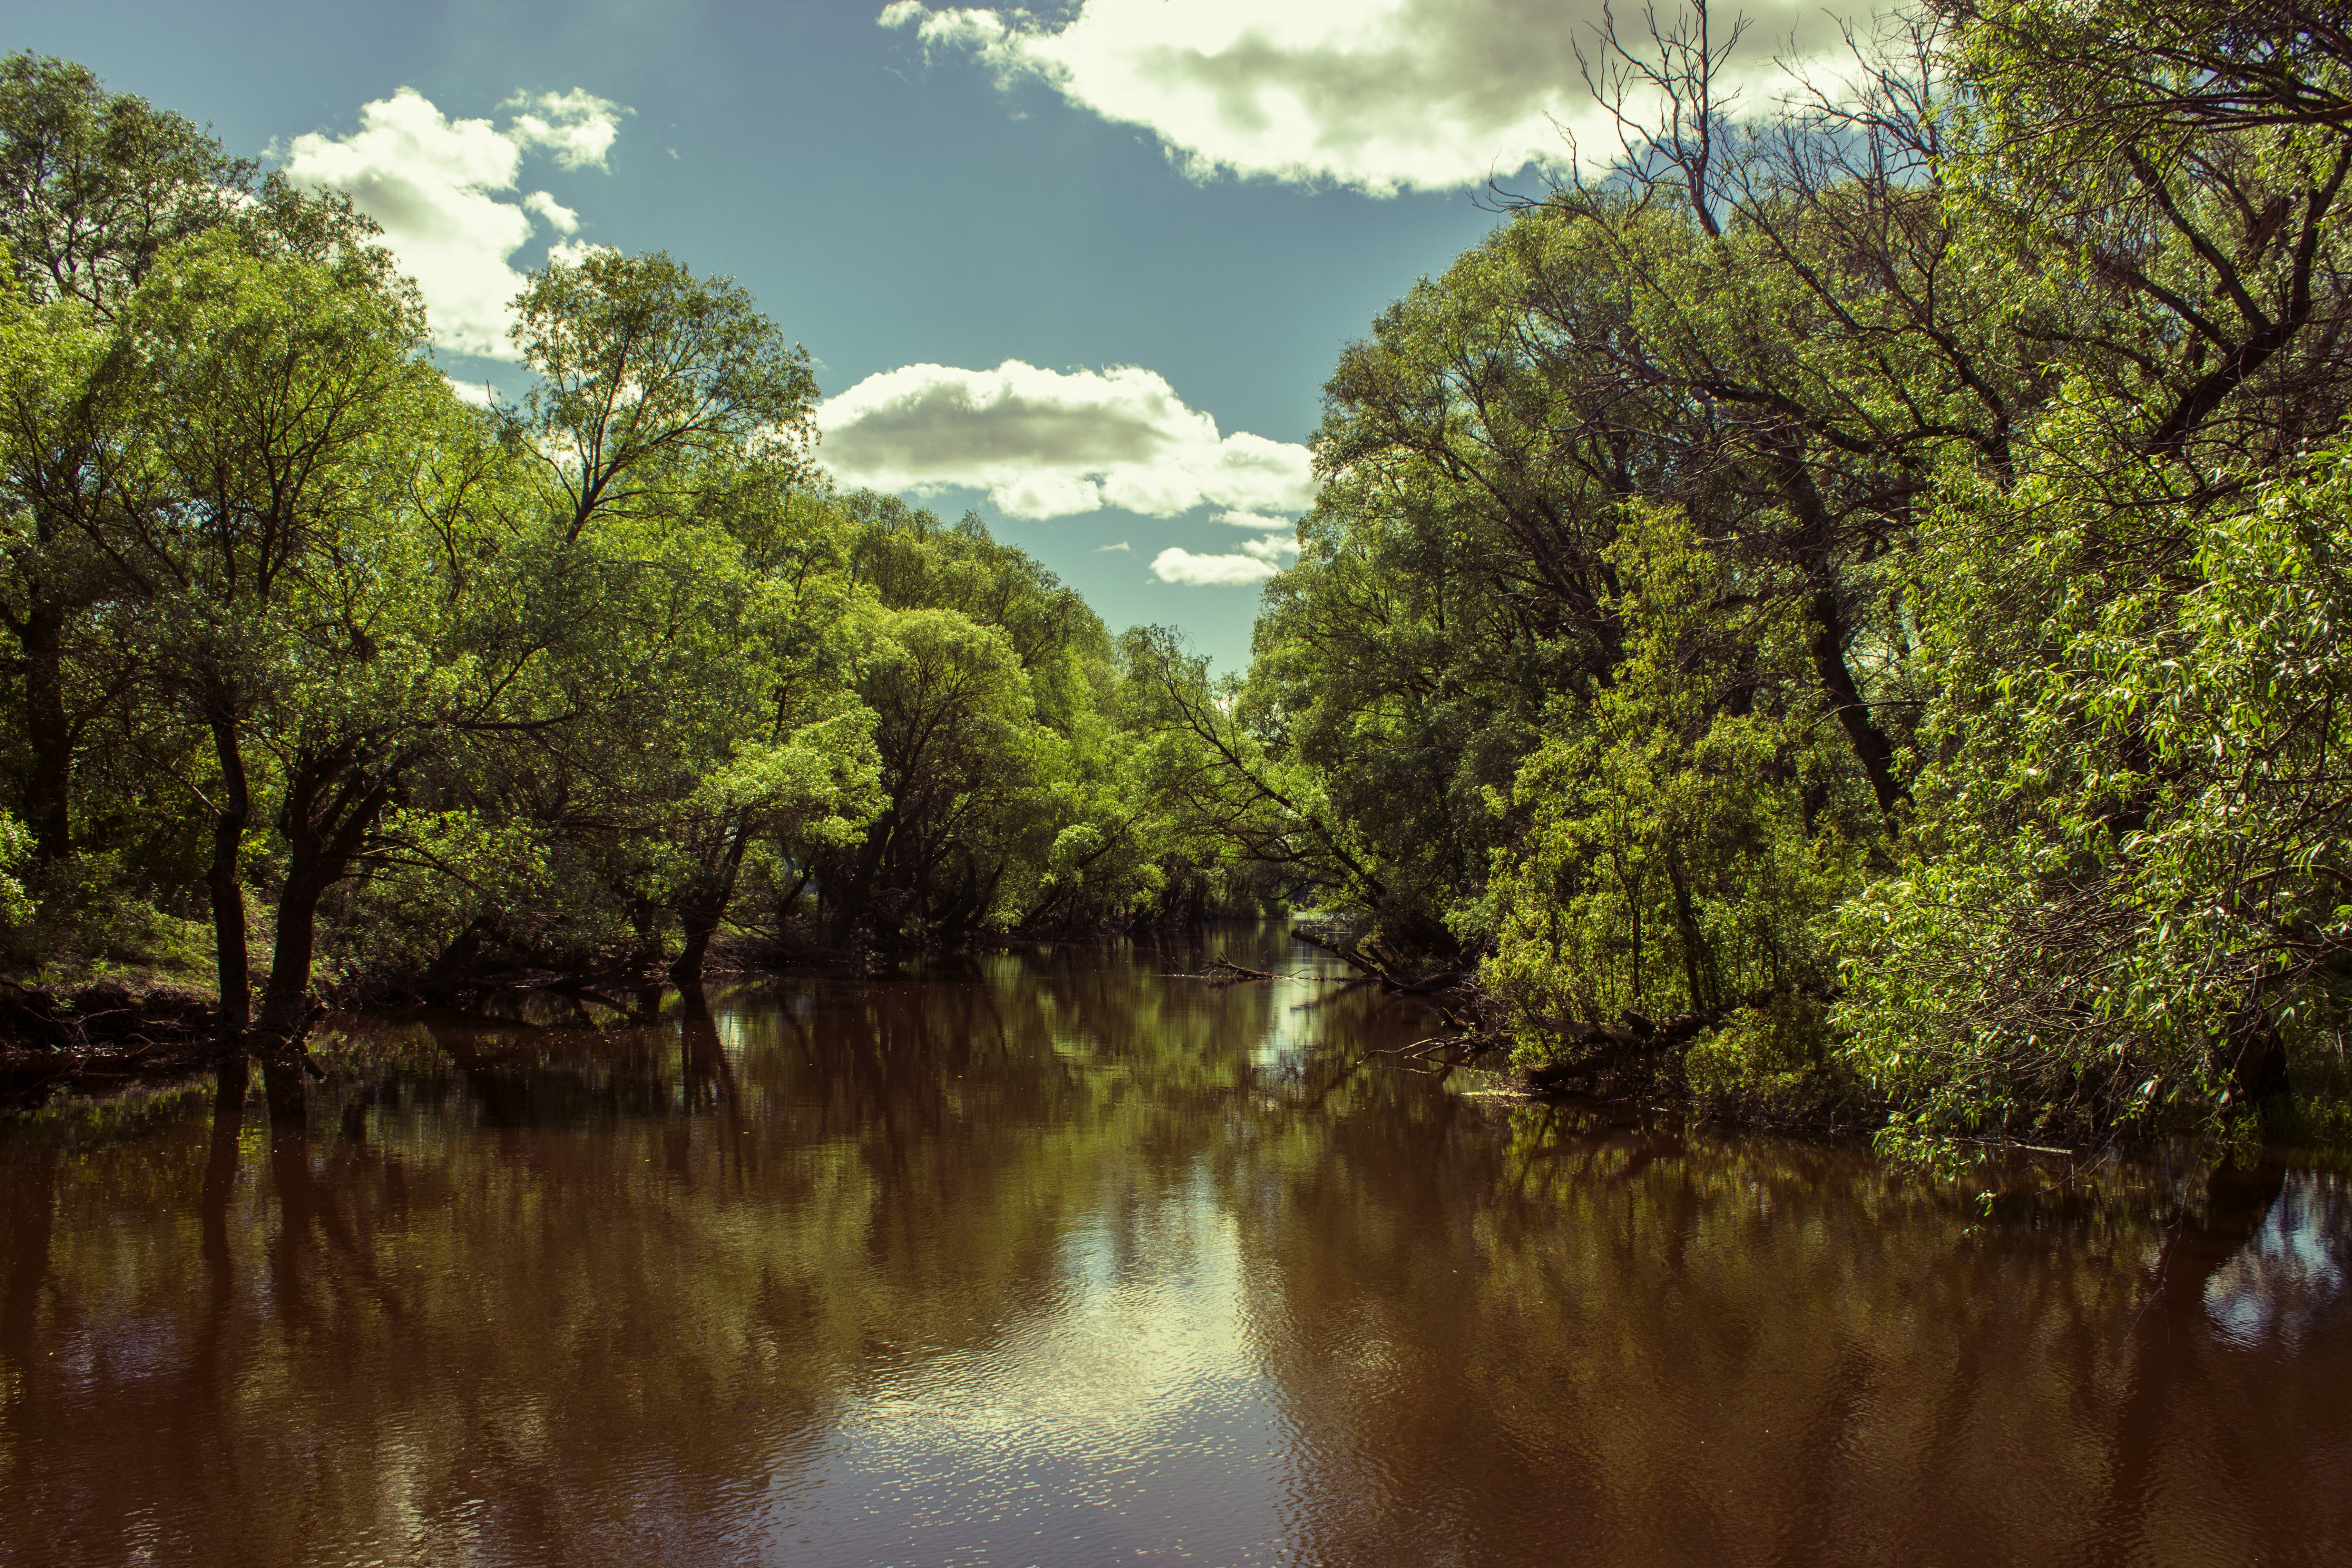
536, 1260
620, 1276
1602, 1344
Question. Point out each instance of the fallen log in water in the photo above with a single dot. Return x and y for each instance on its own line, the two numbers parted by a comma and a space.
1609, 1046
1223, 971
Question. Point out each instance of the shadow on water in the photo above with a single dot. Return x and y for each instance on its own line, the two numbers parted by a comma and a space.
1054, 1259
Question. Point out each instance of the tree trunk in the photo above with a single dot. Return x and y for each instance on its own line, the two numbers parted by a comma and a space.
458, 963
48, 736
2260, 1072
1693, 944
685, 969
701, 914
1814, 547
325, 829
1871, 746
285, 1006
228, 886
286, 1002
332, 805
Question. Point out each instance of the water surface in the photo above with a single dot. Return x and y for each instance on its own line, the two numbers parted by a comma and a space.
1059, 1260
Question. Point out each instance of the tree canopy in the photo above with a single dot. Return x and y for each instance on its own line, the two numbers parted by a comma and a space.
1832, 613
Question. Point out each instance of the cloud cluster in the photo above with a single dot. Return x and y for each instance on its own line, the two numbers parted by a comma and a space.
1381, 95
577, 127
434, 184
1046, 443
1258, 559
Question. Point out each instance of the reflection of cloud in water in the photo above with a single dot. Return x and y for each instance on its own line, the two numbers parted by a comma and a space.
1083, 1433
2293, 1269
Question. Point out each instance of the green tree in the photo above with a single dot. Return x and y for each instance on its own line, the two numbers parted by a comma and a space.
293, 603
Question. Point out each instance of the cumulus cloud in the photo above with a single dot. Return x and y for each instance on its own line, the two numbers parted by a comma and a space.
573, 252
1046, 443
577, 127
1174, 565
435, 184
557, 214
1381, 95
1258, 559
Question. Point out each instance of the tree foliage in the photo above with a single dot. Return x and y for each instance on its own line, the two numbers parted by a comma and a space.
1829, 611
327, 682
1834, 609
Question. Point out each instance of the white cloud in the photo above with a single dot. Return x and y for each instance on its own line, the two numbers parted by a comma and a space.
1254, 520
480, 396
573, 252
960, 28
1272, 550
1173, 565
1382, 95
433, 183
557, 214
1046, 443
1103, 549
577, 127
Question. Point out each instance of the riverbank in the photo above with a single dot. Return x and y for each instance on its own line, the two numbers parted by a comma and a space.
99, 1035
112, 1033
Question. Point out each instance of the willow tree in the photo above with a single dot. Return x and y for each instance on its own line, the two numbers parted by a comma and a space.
295, 600
688, 608
2123, 907
95, 187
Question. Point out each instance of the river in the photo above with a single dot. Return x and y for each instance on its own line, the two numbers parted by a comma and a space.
1062, 1259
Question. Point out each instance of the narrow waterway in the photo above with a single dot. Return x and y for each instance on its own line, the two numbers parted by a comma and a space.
1060, 1260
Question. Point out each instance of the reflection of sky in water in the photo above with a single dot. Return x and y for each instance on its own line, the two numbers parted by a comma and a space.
2276, 1287
1293, 1030
1077, 1436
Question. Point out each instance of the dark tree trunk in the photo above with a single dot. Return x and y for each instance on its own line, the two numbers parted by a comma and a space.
48, 735
685, 969
2260, 1073
225, 881
459, 963
1871, 746
1693, 943
285, 1002
844, 884
703, 913
330, 809
331, 806
1815, 546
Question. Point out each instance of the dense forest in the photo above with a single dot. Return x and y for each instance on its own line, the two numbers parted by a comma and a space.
1830, 613
325, 679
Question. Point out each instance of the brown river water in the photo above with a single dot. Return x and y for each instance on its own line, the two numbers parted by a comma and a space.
1058, 1260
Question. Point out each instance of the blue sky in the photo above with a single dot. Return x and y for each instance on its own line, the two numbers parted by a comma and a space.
1084, 271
